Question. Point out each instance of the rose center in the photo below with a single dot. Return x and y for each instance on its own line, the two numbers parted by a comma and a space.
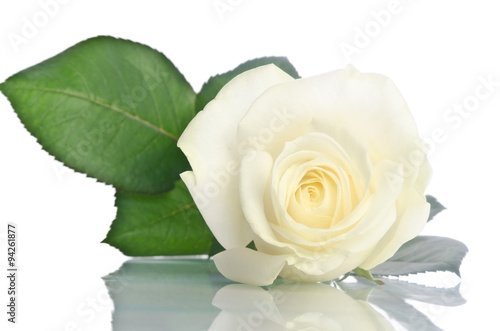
310, 192
316, 198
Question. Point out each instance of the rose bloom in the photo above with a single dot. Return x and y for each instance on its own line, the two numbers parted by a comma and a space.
325, 174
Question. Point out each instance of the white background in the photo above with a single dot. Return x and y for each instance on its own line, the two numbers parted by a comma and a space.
435, 52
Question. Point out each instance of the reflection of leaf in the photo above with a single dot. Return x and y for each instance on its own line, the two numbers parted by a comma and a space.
403, 313
438, 296
164, 294
436, 207
424, 253
392, 297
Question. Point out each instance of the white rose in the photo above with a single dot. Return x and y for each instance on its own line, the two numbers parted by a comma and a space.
324, 174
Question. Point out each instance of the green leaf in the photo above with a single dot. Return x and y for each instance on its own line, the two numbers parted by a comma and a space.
215, 248
367, 274
160, 224
436, 207
210, 89
422, 254
110, 108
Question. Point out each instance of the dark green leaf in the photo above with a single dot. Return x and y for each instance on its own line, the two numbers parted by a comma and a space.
215, 248
422, 254
436, 207
251, 245
215, 83
161, 224
110, 108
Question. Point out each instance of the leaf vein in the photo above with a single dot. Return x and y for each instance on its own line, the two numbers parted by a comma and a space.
105, 105
154, 221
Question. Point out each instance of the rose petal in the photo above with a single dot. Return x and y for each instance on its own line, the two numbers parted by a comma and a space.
367, 104
323, 268
408, 226
247, 266
209, 142
254, 176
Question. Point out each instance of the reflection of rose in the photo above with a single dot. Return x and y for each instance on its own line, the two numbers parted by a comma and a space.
324, 174
293, 307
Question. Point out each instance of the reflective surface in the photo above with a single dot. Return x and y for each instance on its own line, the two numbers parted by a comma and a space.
152, 294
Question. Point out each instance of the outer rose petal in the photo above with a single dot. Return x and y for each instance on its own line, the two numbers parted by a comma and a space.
247, 266
410, 225
209, 142
369, 105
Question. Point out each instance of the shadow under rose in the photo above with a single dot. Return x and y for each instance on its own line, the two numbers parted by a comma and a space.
173, 294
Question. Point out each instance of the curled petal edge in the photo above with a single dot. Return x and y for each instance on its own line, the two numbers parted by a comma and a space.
251, 267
